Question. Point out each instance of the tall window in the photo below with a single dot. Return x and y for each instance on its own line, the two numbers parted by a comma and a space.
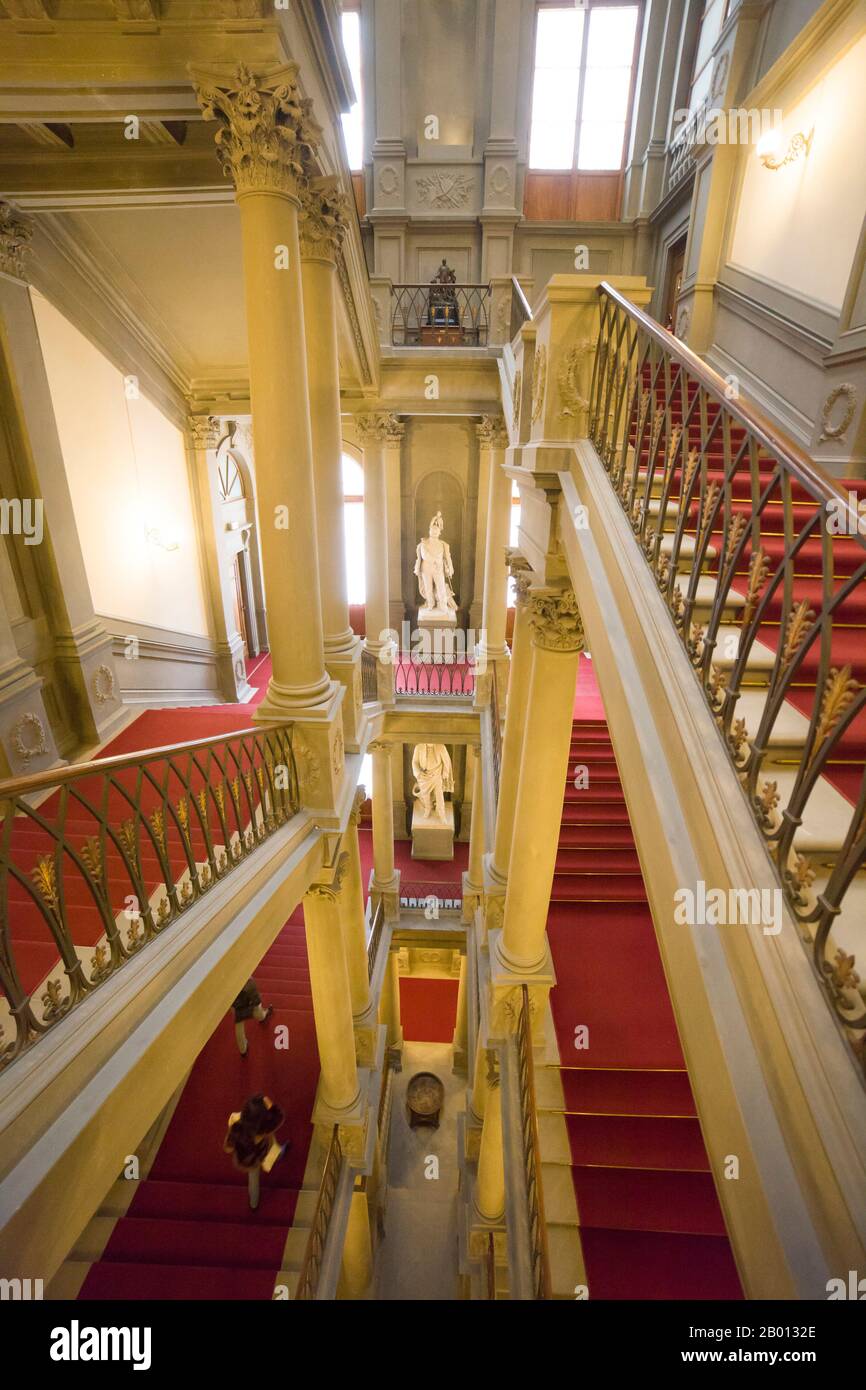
353, 527
353, 120
711, 26
584, 60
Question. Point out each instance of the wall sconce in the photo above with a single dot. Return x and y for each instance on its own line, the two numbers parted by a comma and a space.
155, 537
770, 148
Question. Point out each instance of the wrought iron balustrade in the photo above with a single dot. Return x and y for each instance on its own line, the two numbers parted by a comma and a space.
311, 1266
440, 678
436, 315
428, 895
369, 677
761, 561
532, 1151
375, 937
98, 859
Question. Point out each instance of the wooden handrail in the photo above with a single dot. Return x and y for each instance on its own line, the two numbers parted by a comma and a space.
11, 787
308, 1277
750, 416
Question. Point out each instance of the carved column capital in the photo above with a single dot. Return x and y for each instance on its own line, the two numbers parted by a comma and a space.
492, 433
330, 892
323, 218
267, 137
15, 233
555, 621
379, 426
204, 431
380, 747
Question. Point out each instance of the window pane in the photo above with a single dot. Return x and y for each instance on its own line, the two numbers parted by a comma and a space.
353, 128
611, 37
353, 477
605, 94
601, 145
353, 523
558, 43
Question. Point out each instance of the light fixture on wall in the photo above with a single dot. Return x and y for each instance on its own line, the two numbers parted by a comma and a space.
158, 537
772, 153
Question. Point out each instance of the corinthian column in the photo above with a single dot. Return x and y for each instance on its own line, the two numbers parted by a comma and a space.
385, 880
515, 714
493, 437
557, 640
322, 227
266, 141
377, 432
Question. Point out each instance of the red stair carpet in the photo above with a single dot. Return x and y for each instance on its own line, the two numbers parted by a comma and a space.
650, 1221
189, 1232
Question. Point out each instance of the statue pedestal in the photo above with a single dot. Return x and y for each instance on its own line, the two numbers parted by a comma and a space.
439, 629
431, 838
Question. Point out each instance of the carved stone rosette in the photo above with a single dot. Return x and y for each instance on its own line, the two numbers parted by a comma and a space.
15, 233
379, 427
556, 623
267, 137
491, 432
323, 218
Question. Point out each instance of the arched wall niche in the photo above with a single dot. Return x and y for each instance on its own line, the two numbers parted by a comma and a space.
439, 491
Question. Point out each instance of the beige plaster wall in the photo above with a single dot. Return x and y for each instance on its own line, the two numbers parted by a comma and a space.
127, 471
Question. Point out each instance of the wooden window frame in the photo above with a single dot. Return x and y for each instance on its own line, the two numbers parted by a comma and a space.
591, 5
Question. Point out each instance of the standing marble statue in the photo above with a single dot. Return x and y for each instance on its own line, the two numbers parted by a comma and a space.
431, 768
434, 568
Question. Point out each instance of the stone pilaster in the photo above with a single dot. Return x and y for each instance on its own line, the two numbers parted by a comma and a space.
385, 880
86, 679
493, 437
377, 432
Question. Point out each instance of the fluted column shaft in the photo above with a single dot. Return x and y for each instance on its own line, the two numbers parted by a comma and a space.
557, 639
512, 741
494, 437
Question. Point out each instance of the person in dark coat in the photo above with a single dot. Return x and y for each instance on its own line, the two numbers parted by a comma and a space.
252, 1142
248, 1005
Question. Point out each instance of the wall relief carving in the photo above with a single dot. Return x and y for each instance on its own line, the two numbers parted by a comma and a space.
843, 392
539, 381
102, 684
444, 190
28, 737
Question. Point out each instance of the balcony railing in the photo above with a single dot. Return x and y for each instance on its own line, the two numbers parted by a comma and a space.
440, 678
308, 1280
430, 896
532, 1152
115, 853
761, 562
435, 315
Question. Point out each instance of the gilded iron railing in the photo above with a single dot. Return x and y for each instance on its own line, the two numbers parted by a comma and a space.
117, 850
430, 896
531, 1151
490, 1265
311, 1265
420, 313
440, 678
375, 937
761, 562
369, 677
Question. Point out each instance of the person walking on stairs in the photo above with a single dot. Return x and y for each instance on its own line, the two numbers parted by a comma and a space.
252, 1141
248, 1005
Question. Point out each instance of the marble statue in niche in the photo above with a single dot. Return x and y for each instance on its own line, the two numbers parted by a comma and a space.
434, 776
434, 569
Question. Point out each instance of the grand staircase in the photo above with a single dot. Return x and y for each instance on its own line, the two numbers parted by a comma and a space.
185, 1230
630, 1201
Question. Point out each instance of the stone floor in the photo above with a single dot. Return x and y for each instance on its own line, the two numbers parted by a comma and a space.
417, 1259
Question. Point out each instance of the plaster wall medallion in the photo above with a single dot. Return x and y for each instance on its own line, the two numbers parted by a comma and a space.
500, 180
720, 76
843, 392
308, 765
684, 319
444, 190
28, 737
539, 381
567, 380
103, 684
388, 180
